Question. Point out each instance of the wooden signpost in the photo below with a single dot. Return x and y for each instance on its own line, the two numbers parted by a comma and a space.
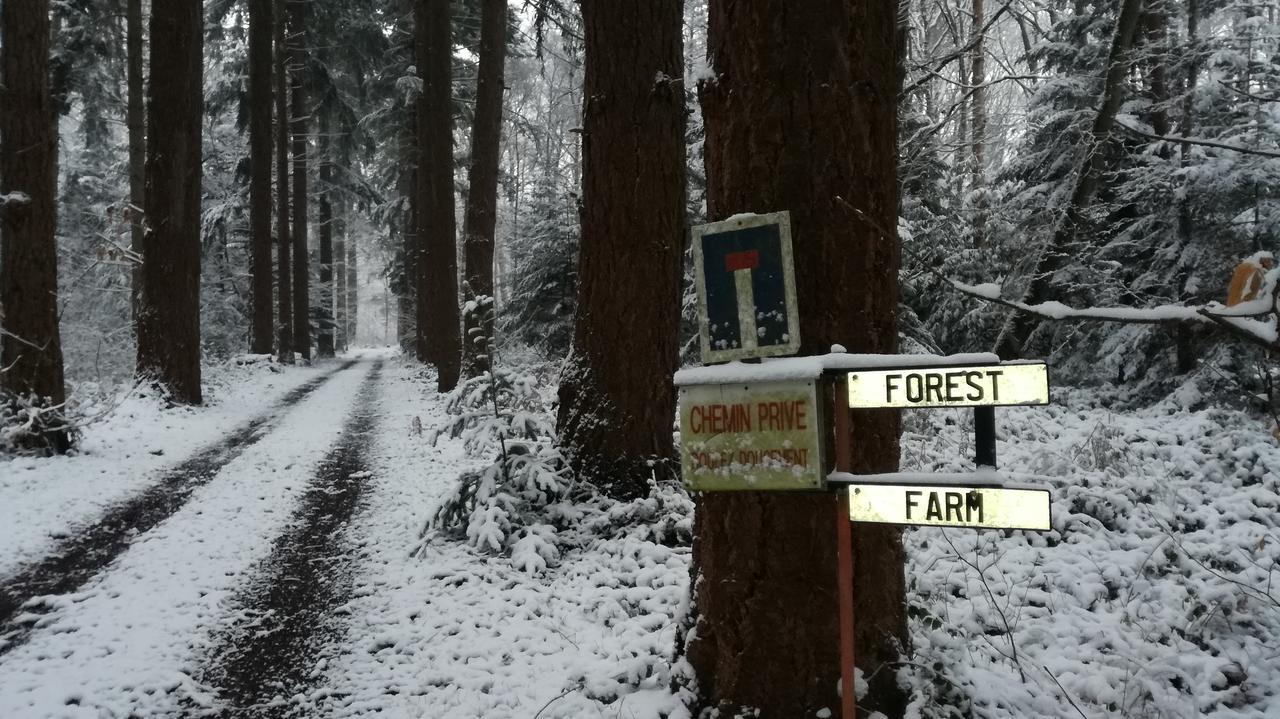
761, 427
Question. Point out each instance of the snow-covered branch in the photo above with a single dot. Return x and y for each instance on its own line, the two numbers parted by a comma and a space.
1253, 320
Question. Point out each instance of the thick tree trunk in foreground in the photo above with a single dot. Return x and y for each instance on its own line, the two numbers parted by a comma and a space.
30, 346
298, 130
324, 219
438, 333
136, 123
807, 127
482, 180
284, 270
616, 397
1018, 326
260, 102
169, 320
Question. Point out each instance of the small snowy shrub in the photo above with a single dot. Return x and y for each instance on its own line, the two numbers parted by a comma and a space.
511, 503
28, 426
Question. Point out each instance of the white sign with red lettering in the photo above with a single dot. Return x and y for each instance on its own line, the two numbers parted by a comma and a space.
764, 436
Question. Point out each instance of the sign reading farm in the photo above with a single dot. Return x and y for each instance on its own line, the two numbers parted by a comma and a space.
762, 436
949, 506
981, 386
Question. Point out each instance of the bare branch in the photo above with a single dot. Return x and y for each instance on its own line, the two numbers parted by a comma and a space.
1198, 141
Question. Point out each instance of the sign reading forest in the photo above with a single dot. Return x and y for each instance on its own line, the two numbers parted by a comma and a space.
994, 385
948, 506
751, 436
746, 288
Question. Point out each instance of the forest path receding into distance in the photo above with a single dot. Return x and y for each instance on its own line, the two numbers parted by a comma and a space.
87, 550
286, 614
211, 591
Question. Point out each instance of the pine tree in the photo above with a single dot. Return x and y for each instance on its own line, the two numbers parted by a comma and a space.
261, 27
300, 113
482, 180
438, 330
284, 244
324, 222
30, 343
807, 127
616, 397
136, 123
169, 320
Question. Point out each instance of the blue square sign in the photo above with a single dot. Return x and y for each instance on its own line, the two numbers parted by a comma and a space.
746, 288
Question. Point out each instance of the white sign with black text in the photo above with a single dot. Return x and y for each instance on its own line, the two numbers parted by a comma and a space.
974, 386
950, 506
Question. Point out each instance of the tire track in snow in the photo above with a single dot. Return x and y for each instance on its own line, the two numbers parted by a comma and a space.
272, 654
89, 549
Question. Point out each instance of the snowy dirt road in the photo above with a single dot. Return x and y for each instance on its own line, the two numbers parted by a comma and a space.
266, 572
119, 618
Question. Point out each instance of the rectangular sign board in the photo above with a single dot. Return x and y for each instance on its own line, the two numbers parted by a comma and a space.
950, 506
745, 278
974, 386
759, 436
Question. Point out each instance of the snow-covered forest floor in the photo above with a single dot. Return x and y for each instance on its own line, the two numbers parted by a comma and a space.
275, 575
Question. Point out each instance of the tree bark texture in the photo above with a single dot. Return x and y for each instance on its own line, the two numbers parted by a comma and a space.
30, 346
438, 331
260, 104
616, 396
407, 318
802, 116
340, 245
284, 270
324, 227
353, 291
169, 320
978, 125
136, 124
1018, 326
298, 131
481, 213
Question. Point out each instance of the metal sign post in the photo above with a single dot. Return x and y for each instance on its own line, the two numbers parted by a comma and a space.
844, 560
982, 387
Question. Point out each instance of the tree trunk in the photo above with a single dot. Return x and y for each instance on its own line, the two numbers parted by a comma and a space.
324, 219
169, 323
802, 116
284, 270
1184, 334
482, 180
407, 327
136, 122
260, 31
340, 244
616, 397
978, 126
1018, 326
353, 294
298, 128
437, 261
30, 345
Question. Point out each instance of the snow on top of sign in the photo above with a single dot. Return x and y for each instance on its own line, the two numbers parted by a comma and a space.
799, 368
981, 477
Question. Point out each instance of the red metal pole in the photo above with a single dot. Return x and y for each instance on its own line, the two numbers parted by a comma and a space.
844, 555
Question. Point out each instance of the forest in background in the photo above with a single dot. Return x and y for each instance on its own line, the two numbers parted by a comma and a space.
997, 99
